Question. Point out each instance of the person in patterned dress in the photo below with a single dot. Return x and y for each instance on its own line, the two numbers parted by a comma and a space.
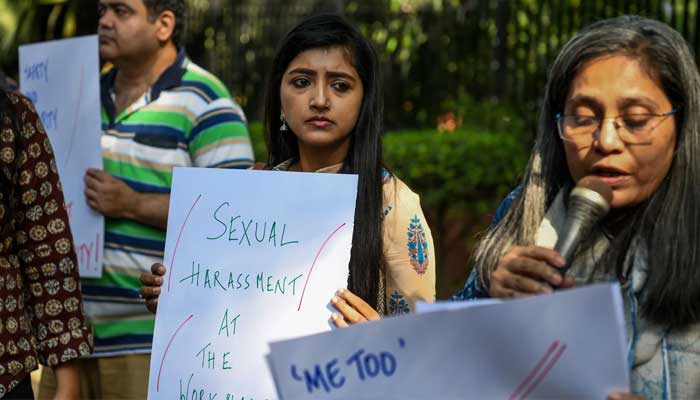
324, 114
40, 301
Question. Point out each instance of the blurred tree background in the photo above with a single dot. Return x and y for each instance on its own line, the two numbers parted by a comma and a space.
463, 81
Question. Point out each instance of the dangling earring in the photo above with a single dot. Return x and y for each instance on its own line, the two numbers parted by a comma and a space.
283, 128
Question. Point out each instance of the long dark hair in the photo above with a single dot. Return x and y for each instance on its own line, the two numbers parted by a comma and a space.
364, 156
668, 223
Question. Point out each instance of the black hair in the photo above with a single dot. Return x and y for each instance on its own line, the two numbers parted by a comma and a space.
364, 156
178, 8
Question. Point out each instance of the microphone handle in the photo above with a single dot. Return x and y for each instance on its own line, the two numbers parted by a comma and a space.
580, 219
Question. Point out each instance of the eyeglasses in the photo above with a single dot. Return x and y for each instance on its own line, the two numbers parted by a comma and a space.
631, 128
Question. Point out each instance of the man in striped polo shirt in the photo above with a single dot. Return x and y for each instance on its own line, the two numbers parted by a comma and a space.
159, 111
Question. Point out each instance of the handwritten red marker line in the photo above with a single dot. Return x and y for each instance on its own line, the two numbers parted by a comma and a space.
314, 263
77, 114
544, 373
160, 369
534, 371
182, 228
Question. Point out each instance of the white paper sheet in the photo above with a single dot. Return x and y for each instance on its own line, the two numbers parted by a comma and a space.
61, 78
252, 256
425, 307
569, 344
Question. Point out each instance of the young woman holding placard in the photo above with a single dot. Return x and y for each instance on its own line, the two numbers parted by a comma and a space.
323, 113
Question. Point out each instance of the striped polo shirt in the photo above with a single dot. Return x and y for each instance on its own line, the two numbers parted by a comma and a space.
188, 119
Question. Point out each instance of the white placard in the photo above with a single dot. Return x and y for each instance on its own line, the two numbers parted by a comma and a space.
570, 344
423, 307
252, 256
62, 79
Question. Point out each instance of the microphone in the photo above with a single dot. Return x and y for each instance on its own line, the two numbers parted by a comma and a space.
589, 202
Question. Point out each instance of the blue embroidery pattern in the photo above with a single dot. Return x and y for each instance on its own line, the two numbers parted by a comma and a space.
417, 246
472, 289
398, 304
386, 211
386, 175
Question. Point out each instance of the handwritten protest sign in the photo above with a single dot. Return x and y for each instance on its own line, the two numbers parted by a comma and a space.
252, 256
567, 345
62, 79
425, 307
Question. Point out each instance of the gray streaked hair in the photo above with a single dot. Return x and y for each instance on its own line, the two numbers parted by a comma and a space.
674, 281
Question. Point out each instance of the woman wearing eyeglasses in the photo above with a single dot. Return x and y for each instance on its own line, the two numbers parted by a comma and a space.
622, 104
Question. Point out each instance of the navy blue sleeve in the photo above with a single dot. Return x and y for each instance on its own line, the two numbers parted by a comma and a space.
472, 290
502, 208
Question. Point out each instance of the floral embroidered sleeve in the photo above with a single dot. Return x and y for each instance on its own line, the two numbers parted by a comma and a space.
44, 245
409, 252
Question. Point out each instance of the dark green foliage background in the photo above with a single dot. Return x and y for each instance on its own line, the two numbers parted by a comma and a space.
484, 62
